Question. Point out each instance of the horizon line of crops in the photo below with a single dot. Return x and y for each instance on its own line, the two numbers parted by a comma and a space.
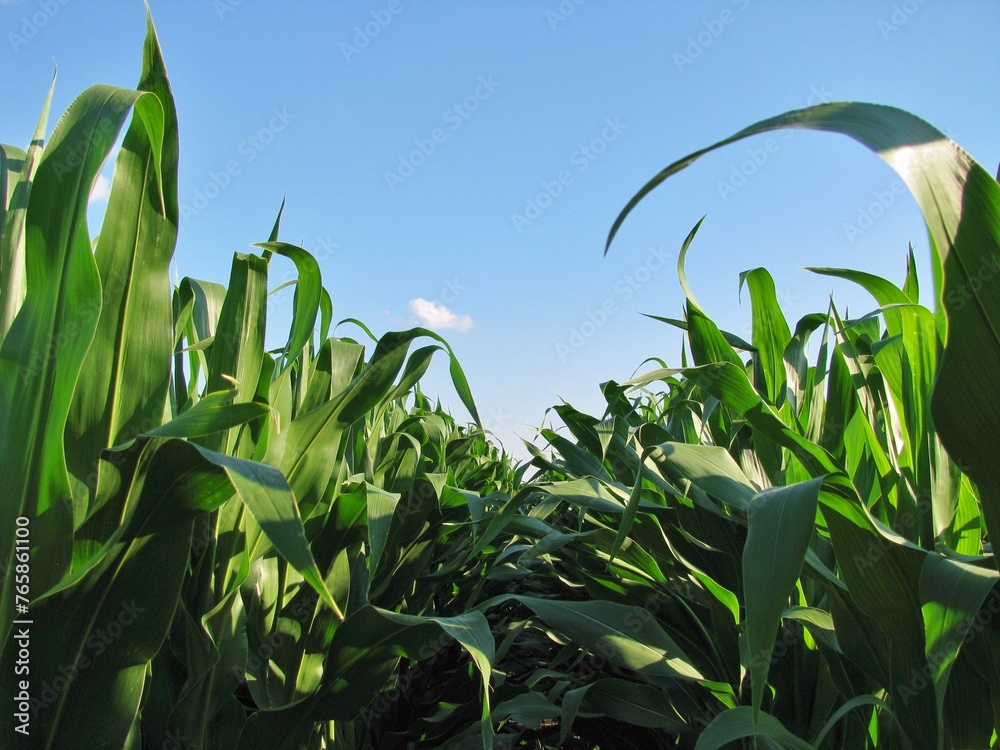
750, 550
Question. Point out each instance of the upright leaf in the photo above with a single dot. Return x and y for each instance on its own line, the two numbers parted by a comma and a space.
771, 335
17, 172
128, 364
780, 522
43, 352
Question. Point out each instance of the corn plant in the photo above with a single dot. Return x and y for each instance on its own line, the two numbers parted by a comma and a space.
868, 508
805, 545
166, 464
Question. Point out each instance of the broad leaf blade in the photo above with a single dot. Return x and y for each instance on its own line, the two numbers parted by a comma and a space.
780, 522
128, 364
42, 354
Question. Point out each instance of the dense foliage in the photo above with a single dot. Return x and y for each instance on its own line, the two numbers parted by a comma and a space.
784, 542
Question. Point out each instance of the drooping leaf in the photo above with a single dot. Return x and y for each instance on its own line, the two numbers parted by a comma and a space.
960, 202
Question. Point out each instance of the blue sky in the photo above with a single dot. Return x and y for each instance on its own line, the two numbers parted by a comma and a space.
459, 164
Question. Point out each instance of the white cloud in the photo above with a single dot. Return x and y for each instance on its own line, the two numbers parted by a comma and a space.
436, 316
101, 189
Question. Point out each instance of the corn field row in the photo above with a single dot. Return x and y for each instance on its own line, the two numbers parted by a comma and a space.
783, 542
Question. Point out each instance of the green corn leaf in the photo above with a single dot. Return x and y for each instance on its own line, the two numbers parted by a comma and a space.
588, 492
128, 364
307, 296
208, 298
731, 338
739, 722
908, 360
628, 516
882, 572
213, 413
528, 709
627, 702
951, 594
729, 383
771, 335
325, 314
42, 355
708, 345
105, 622
364, 651
911, 287
313, 442
381, 506
268, 497
167, 483
17, 172
797, 365
626, 636
239, 337
681, 257
850, 705
709, 467
780, 525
